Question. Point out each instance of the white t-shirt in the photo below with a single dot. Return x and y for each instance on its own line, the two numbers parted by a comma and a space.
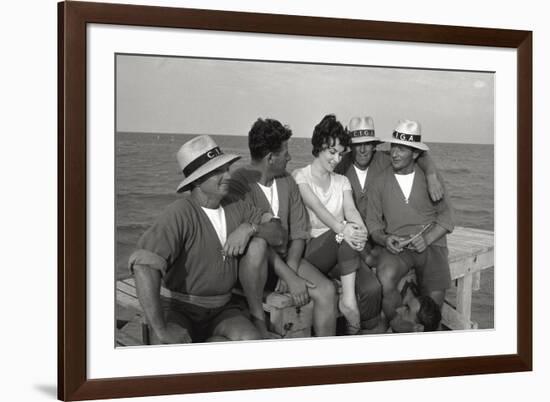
361, 175
217, 217
332, 199
406, 183
272, 196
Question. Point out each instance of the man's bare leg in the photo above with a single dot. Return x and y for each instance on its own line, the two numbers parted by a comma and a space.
324, 299
253, 277
236, 328
348, 304
389, 271
438, 296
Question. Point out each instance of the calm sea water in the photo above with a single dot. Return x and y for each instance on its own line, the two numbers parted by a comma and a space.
147, 175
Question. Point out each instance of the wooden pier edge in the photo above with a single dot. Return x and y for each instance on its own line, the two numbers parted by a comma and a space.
470, 252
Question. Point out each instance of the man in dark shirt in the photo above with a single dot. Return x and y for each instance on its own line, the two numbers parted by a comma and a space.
266, 185
185, 265
408, 224
362, 166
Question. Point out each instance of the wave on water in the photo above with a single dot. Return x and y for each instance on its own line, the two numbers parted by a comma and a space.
133, 226
472, 213
456, 171
148, 196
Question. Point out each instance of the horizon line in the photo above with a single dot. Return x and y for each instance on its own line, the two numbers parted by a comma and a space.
293, 136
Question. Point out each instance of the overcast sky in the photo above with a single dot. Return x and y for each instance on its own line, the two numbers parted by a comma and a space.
202, 96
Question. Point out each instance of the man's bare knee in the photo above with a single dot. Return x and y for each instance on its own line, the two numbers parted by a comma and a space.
254, 257
438, 296
257, 249
248, 335
324, 292
388, 276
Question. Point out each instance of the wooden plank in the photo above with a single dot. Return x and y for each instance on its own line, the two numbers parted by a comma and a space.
464, 297
126, 294
466, 242
454, 320
476, 280
278, 300
129, 334
472, 264
292, 322
123, 339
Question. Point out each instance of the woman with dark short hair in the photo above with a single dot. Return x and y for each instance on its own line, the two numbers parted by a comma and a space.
337, 230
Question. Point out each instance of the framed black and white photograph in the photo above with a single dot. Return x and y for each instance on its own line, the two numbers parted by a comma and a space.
254, 200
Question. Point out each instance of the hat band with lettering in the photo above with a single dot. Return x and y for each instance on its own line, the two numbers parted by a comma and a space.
362, 133
201, 160
406, 137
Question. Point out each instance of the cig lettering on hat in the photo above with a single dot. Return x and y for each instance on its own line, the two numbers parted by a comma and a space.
198, 157
361, 129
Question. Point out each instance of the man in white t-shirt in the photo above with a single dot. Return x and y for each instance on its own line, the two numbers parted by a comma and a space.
266, 185
185, 265
408, 224
362, 166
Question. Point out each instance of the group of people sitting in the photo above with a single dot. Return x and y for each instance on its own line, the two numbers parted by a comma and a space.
341, 233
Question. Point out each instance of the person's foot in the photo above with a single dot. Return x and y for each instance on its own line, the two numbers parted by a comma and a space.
353, 322
261, 326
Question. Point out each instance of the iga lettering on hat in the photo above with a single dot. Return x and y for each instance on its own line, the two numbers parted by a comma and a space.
408, 132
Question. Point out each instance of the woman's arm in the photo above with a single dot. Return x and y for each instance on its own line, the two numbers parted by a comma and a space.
350, 210
359, 235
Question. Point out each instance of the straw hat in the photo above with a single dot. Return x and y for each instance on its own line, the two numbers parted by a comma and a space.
361, 129
199, 156
408, 132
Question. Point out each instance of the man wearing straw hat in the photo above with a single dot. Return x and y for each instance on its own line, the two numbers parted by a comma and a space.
362, 166
364, 163
266, 184
407, 223
186, 263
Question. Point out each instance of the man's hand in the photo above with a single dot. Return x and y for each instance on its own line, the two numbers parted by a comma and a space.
298, 288
274, 234
358, 246
434, 187
392, 244
173, 333
237, 240
281, 286
418, 244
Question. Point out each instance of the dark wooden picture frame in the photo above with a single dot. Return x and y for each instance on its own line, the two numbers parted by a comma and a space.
73, 17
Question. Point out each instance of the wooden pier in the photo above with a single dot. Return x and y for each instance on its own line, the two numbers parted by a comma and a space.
470, 252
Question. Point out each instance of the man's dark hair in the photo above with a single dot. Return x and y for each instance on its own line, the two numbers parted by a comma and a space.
265, 136
420, 153
429, 314
325, 134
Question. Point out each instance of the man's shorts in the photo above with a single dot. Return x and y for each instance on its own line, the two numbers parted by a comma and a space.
201, 321
431, 266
